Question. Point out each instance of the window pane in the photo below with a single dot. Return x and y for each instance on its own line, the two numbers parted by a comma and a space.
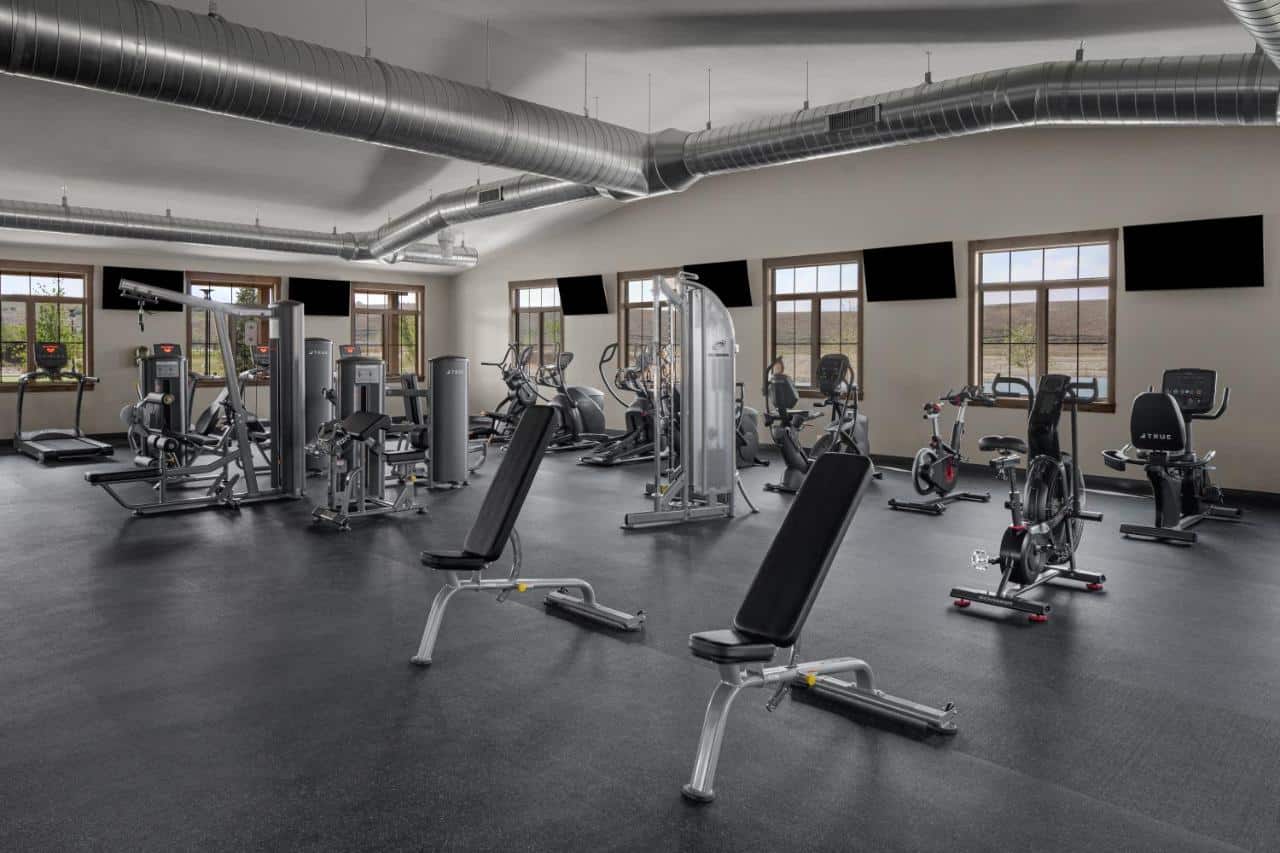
44, 285
15, 285
794, 332
48, 322
784, 281
807, 280
646, 290
1062, 359
13, 341
995, 315
407, 340
1060, 263
828, 279
1022, 361
1095, 315
407, 300
1026, 265
1093, 361
1095, 261
552, 335
1022, 321
633, 290
848, 276
550, 297
1063, 315
995, 267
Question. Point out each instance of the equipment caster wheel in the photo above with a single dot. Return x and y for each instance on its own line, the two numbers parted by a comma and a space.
1093, 587
1037, 617
962, 602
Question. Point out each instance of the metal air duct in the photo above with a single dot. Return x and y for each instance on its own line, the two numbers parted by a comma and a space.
1262, 19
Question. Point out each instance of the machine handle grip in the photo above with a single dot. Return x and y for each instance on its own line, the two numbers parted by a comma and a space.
1090, 385
1220, 411
1011, 381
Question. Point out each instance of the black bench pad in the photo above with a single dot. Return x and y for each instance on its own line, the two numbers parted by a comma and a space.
728, 646
453, 561
1002, 442
120, 474
403, 457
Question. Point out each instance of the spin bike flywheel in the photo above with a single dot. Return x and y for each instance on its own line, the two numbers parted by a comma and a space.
1046, 495
1026, 552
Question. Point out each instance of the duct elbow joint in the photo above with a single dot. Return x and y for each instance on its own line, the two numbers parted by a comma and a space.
667, 170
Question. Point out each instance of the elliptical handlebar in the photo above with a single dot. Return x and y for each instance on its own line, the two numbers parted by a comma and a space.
1012, 381
1218, 412
610, 352
1090, 385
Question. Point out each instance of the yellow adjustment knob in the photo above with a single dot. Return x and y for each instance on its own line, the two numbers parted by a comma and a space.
522, 587
810, 679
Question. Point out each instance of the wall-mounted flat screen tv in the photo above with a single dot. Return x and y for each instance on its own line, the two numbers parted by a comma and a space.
582, 294
726, 279
1197, 253
906, 273
321, 297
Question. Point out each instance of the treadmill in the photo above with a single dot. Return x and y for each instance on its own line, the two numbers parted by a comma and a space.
52, 445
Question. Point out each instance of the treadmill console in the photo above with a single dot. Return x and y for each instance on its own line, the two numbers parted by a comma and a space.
262, 355
345, 350
166, 350
1193, 388
51, 356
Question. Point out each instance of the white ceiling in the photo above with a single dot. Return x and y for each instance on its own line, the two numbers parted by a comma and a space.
123, 153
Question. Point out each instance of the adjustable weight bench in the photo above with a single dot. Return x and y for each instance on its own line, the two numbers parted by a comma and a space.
488, 538
774, 612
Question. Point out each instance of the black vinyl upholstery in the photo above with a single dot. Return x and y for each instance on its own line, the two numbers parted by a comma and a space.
788, 581
1011, 443
120, 474
492, 527
364, 424
1156, 423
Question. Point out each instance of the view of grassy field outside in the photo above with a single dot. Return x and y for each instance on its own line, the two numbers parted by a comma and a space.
539, 323
1047, 311
807, 327
54, 304
206, 351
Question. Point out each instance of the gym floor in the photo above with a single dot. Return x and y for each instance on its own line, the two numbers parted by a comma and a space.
223, 681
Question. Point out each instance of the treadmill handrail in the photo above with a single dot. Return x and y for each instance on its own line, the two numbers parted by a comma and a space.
81, 380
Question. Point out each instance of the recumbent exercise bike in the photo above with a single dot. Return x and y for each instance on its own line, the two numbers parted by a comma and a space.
1160, 441
848, 431
1040, 544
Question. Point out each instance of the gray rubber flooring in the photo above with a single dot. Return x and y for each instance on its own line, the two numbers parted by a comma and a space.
237, 681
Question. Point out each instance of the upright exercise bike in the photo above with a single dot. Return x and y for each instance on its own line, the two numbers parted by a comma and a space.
936, 467
1160, 441
847, 431
1040, 545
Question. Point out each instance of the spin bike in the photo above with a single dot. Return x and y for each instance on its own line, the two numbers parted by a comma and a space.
1040, 545
846, 432
936, 467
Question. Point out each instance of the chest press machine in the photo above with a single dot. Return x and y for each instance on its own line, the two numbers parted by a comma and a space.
774, 612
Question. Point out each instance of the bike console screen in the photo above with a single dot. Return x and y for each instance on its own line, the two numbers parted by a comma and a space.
1193, 388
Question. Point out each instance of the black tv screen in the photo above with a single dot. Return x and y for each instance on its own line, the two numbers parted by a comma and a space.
175, 280
728, 280
582, 294
904, 273
1194, 254
321, 297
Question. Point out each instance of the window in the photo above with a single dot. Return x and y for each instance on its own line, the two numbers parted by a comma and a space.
386, 323
44, 302
635, 318
1045, 305
537, 320
204, 352
815, 308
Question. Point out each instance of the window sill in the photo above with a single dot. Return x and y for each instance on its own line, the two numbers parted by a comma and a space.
219, 382
44, 387
1103, 406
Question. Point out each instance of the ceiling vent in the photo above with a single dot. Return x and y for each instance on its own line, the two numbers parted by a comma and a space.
854, 119
490, 196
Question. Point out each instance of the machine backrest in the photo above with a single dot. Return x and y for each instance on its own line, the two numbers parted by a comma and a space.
789, 579
1193, 388
834, 371
1156, 423
412, 402
501, 507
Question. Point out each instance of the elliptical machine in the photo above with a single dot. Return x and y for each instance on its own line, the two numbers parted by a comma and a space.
936, 467
497, 426
746, 422
847, 431
1160, 441
638, 442
1040, 544
579, 409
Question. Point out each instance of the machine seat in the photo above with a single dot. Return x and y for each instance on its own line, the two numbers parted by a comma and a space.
120, 474
1010, 443
453, 561
403, 457
729, 646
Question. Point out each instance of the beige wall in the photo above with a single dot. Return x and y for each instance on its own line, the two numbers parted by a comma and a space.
997, 185
116, 335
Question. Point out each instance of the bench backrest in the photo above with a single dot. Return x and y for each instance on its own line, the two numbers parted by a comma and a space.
789, 579
502, 504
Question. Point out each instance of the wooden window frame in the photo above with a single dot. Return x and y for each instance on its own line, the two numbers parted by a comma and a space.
390, 341
513, 290
86, 273
770, 265
1110, 236
625, 305
272, 284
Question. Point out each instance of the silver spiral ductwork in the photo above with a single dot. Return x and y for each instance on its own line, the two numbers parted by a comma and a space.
525, 192
1181, 91
1262, 19
66, 219
157, 52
